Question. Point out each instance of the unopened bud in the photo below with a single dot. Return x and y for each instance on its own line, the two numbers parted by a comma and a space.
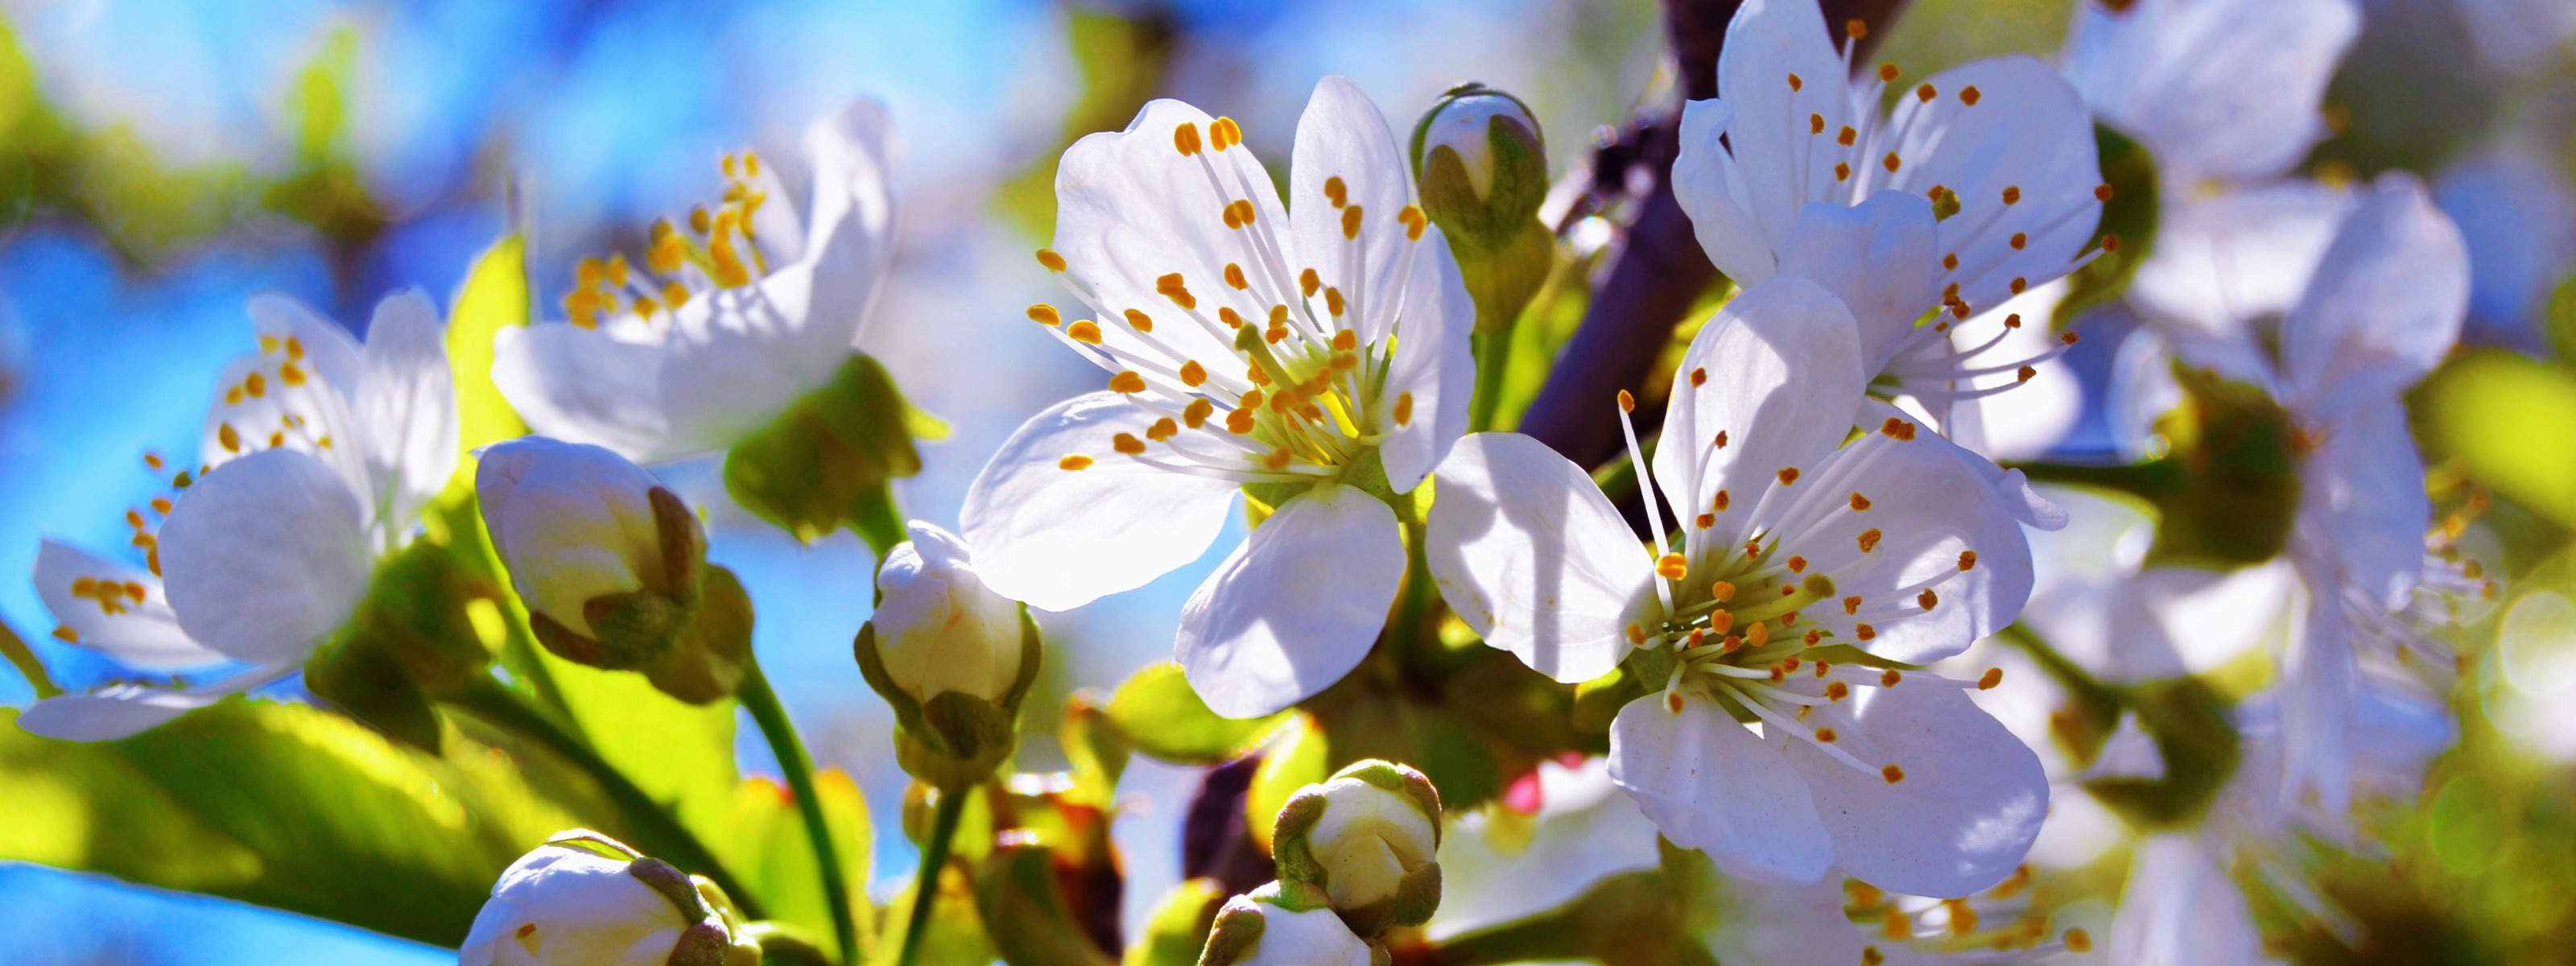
1257, 930
1481, 165
1368, 839
584, 898
938, 627
607, 559
1493, 136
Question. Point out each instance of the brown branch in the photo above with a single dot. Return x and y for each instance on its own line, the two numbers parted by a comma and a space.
1661, 270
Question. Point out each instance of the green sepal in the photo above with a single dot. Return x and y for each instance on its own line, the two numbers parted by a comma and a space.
707, 663
408, 643
1511, 201
1016, 885
826, 461
2130, 215
954, 740
2237, 491
1235, 931
1157, 710
1179, 929
1415, 898
635, 630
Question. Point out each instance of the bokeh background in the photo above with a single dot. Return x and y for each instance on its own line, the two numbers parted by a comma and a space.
162, 160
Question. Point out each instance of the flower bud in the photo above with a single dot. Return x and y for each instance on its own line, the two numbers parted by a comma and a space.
1482, 166
1369, 841
607, 559
584, 898
952, 657
938, 627
1258, 930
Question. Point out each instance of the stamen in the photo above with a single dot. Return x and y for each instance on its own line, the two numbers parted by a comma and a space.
1992, 677
1185, 138
1076, 461
1046, 257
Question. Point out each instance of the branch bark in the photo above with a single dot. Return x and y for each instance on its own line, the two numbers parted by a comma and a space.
1661, 270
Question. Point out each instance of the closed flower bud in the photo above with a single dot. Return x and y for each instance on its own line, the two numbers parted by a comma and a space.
938, 627
1482, 166
583, 899
1257, 930
607, 559
1368, 840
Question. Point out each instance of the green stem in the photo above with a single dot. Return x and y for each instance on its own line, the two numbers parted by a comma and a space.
1493, 369
878, 521
2148, 481
25, 659
925, 880
521, 642
660, 835
766, 712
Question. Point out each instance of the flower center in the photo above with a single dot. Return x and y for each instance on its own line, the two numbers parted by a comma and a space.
1262, 373
717, 251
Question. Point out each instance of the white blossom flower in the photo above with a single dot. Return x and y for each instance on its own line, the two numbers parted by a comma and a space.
2220, 92
320, 453
939, 628
2517, 212
573, 522
730, 320
1320, 362
1981, 184
1804, 566
562, 905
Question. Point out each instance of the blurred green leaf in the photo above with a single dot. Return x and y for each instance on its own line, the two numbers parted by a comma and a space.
1017, 884
2511, 423
827, 460
1158, 711
679, 753
766, 844
1297, 759
281, 805
494, 297
1178, 931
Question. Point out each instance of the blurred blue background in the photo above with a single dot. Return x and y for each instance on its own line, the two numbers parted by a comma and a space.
148, 141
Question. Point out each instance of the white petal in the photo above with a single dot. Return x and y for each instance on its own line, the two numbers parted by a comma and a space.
2385, 305
1878, 258
2181, 906
572, 521
2028, 130
1709, 784
1435, 364
1930, 501
2223, 90
2362, 500
2318, 679
1704, 176
851, 227
1770, 924
141, 633
1343, 136
1586, 830
1783, 378
1782, 162
738, 357
265, 557
126, 710
406, 406
1296, 607
580, 386
2221, 261
1130, 208
1059, 539
1532, 557
1966, 812
1316, 937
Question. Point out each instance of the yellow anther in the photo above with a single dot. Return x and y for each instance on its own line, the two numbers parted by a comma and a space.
1815, 124
585, 274
1927, 598
1963, 920
1307, 282
1403, 409
1127, 382
1277, 460
1893, 774
231, 440
1859, 502
1788, 475
698, 221
1887, 72
1795, 84
617, 269
1925, 93
1704, 521
1992, 677
1127, 443
1842, 171
1721, 592
1053, 262
2110, 243
1223, 133
1699, 376
1758, 634
1239, 421
1837, 691
1891, 162
1046, 315
276, 440
729, 269
1351, 221
1869, 540
1720, 442
255, 384
67, 635
1335, 192
1847, 137
1950, 262
1414, 222
1672, 567
1274, 334
1162, 429
1171, 287
1627, 402
1139, 321
1333, 301
161, 505
1896, 429
1186, 138
1196, 413
267, 343
1636, 634
1826, 735
1967, 560
1970, 95
294, 348
646, 307
1797, 564
2012, 194
290, 374
1721, 502
1234, 277
2079, 941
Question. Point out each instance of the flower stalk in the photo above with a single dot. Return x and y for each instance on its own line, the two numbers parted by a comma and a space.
758, 698
925, 880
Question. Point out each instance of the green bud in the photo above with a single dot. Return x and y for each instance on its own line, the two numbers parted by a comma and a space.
1369, 841
827, 460
954, 739
1482, 169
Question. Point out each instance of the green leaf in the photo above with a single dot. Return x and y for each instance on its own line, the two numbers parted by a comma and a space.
2511, 422
1158, 711
1179, 929
1296, 760
767, 846
282, 805
1017, 885
680, 753
495, 297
